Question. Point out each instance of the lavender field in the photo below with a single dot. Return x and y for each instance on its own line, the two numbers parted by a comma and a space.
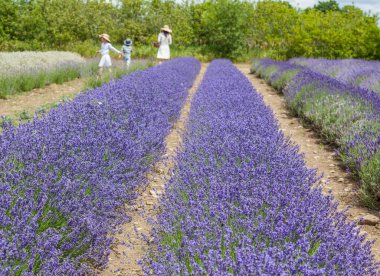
361, 73
241, 200
65, 177
346, 115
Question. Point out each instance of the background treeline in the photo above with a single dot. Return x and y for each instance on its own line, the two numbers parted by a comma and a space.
212, 28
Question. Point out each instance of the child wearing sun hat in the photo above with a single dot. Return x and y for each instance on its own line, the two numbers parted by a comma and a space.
105, 48
127, 51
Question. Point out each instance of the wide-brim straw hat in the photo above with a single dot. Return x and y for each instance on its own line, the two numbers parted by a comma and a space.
105, 36
166, 29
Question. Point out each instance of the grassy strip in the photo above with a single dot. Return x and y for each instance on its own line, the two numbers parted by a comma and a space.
12, 85
92, 80
147, 51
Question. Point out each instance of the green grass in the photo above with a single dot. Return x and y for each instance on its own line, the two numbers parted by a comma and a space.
147, 51
95, 80
284, 79
370, 176
266, 73
12, 85
338, 119
89, 72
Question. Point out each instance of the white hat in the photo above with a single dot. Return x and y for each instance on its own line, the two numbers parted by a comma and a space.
166, 29
105, 36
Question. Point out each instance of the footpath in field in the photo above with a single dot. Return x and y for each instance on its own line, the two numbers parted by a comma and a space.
318, 155
31, 100
132, 241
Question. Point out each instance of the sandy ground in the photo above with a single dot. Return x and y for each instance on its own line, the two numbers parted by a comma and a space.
130, 247
30, 101
320, 156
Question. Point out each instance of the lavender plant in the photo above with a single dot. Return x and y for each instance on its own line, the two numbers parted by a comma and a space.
346, 115
65, 177
23, 71
21, 63
242, 202
276, 73
362, 73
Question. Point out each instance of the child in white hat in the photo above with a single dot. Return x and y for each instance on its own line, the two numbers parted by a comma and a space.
127, 51
105, 48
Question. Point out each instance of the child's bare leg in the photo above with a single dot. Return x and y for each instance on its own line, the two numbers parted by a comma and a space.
100, 73
110, 72
128, 63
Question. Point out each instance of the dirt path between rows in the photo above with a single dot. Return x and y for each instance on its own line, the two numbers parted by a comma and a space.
318, 155
30, 101
129, 247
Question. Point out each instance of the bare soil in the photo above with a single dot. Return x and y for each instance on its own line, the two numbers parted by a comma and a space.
132, 241
320, 156
30, 101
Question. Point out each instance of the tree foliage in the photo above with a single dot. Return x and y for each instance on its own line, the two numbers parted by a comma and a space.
334, 35
221, 28
325, 6
225, 27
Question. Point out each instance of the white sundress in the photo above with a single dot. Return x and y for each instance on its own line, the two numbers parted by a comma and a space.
105, 48
164, 50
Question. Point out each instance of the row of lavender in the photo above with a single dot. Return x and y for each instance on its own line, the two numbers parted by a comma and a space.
64, 178
346, 115
362, 73
241, 201
23, 71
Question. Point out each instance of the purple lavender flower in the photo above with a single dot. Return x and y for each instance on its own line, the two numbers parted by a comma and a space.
344, 113
65, 177
242, 202
362, 73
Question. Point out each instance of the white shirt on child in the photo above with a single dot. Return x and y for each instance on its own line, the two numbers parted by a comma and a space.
106, 47
126, 50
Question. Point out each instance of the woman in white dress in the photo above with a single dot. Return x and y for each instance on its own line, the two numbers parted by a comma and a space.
164, 39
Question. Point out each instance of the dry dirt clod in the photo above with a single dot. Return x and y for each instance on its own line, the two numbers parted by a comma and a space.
369, 220
153, 193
